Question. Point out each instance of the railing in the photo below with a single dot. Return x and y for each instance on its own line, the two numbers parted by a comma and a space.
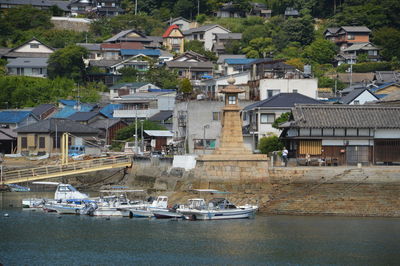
44, 172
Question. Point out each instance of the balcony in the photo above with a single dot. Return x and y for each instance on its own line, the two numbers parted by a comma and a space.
132, 113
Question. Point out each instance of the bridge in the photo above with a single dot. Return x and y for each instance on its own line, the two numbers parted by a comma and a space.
72, 168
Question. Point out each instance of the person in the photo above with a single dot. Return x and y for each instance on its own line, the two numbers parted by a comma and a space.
285, 156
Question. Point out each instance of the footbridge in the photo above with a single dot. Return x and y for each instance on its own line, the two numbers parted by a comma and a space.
65, 169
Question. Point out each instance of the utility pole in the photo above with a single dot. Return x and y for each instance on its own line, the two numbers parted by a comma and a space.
351, 71
198, 7
135, 7
142, 140
136, 132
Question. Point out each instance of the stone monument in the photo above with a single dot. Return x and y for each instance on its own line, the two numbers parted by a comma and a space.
232, 160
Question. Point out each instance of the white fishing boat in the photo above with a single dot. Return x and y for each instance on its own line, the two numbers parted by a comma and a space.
160, 204
116, 203
216, 209
63, 192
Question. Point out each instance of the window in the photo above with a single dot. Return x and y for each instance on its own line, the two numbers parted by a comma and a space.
24, 142
363, 132
294, 91
231, 99
316, 132
42, 143
34, 45
195, 36
216, 116
201, 36
271, 93
267, 118
350, 37
37, 71
356, 102
175, 41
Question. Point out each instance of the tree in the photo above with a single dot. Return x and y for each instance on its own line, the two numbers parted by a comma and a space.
270, 144
128, 132
299, 30
259, 48
281, 119
388, 39
68, 62
198, 47
162, 77
129, 74
184, 8
320, 51
297, 63
185, 86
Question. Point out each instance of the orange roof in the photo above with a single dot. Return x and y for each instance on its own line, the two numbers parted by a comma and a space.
122, 45
168, 31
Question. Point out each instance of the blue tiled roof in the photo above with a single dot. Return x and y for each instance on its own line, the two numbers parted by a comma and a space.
161, 90
108, 110
382, 86
239, 61
148, 52
68, 102
69, 110
7, 117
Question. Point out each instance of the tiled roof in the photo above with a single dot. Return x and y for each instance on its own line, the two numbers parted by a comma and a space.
11, 117
283, 100
387, 76
203, 28
353, 95
360, 46
169, 30
186, 64
70, 110
121, 45
122, 34
104, 63
105, 123
40, 109
234, 61
90, 46
28, 62
161, 116
82, 116
222, 57
132, 85
60, 125
26, 55
229, 36
108, 110
346, 116
355, 29
148, 52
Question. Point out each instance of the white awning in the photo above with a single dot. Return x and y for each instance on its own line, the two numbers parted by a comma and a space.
159, 133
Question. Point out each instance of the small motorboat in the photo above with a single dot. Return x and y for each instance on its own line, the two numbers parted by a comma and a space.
169, 213
18, 188
160, 204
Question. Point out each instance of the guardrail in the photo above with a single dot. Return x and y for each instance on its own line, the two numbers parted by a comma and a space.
31, 174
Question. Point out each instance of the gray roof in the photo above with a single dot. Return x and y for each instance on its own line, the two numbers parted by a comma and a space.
27, 62
57, 124
103, 63
203, 29
90, 46
345, 116
283, 100
4, 50
361, 46
129, 84
355, 29
105, 123
230, 36
186, 64
332, 30
82, 116
121, 34
353, 95
40, 109
387, 76
221, 58
63, 5
161, 116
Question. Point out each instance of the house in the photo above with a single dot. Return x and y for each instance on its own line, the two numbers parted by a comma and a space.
94, 49
43, 111
112, 51
8, 141
191, 56
259, 117
70, 107
221, 60
205, 34
222, 40
197, 125
230, 10
31, 67
290, 12
30, 49
359, 96
181, 22
233, 66
108, 128
134, 36
143, 104
392, 98
191, 65
211, 87
260, 10
163, 118
344, 134
45, 135
86, 118
386, 89
353, 78
345, 36
39, 4
173, 39
16, 118
98, 7
127, 53
141, 63
270, 77
159, 139
108, 110
130, 88
350, 55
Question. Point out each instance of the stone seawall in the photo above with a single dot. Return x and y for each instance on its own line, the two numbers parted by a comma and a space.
367, 191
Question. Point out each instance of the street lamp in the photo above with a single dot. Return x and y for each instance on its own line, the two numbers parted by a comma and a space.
204, 137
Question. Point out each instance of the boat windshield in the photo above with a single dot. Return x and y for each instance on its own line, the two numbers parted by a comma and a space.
71, 188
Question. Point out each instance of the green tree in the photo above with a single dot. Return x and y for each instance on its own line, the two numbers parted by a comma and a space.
185, 86
326, 82
162, 77
320, 51
129, 74
281, 119
299, 30
68, 62
388, 39
270, 144
259, 48
198, 47
184, 8
128, 132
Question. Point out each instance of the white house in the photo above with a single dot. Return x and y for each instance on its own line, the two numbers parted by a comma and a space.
359, 96
205, 34
270, 87
130, 88
182, 23
33, 67
212, 86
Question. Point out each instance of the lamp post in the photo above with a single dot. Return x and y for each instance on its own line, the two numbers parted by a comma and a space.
204, 137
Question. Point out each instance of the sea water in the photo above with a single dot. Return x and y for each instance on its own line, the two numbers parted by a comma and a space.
38, 238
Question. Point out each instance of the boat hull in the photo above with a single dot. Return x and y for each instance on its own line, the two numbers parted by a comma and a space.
112, 212
165, 214
219, 214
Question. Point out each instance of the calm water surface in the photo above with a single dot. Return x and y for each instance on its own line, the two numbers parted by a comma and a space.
37, 238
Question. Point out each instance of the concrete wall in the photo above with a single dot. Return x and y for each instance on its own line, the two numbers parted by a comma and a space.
307, 87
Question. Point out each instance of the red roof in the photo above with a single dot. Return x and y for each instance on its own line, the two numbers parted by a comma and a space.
168, 31
122, 45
